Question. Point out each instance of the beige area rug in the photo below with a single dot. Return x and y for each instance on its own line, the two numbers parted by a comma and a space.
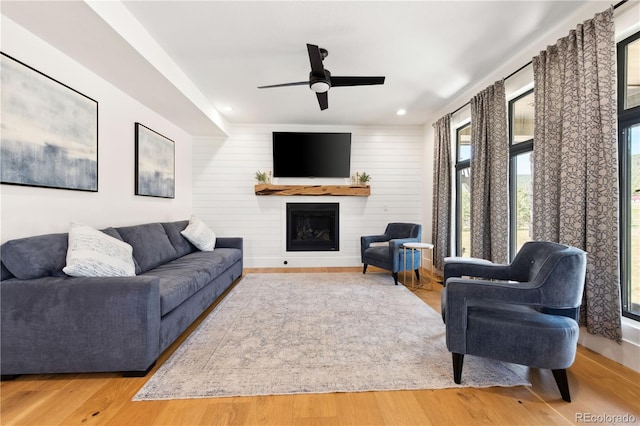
317, 333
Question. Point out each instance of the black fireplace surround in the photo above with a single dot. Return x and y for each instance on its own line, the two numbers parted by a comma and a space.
313, 226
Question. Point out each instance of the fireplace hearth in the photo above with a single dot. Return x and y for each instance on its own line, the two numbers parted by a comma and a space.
313, 226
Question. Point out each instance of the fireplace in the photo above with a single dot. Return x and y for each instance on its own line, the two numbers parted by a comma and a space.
313, 226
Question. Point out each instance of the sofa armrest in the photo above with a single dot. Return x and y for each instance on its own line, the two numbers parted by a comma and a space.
62, 324
396, 252
396, 243
472, 267
229, 242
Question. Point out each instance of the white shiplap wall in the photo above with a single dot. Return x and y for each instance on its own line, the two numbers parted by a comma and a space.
223, 190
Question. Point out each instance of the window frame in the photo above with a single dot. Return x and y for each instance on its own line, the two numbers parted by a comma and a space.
515, 149
626, 119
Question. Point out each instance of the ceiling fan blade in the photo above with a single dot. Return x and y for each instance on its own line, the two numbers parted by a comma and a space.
355, 81
323, 100
298, 83
315, 57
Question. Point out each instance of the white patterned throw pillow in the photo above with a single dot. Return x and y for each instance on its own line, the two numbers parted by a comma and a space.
93, 253
199, 234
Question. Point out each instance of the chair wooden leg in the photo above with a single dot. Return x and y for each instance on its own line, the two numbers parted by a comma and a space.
364, 269
562, 382
458, 359
395, 277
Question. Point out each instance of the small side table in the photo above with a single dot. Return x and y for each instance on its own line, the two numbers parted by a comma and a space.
419, 247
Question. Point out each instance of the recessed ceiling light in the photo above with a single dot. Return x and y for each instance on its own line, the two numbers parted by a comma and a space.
401, 112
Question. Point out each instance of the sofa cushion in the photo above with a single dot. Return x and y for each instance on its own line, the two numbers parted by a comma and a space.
379, 253
4, 273
35, 257
151, 245
93, 253
113, 232
183, 277
179, 242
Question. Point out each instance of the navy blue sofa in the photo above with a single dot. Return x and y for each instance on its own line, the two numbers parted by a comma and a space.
53, 323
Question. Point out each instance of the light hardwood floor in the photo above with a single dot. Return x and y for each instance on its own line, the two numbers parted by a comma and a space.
599, 387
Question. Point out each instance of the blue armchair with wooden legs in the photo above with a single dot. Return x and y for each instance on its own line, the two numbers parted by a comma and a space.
390, 256
525, 312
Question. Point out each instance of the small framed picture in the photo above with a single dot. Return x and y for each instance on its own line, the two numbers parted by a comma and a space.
155, 164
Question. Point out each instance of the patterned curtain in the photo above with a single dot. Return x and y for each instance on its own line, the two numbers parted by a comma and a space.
441, 225
575, 181
489, 180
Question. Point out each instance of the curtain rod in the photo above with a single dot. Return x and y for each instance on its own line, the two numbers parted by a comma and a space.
617, 5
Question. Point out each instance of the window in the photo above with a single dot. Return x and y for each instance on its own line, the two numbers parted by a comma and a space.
630, 77
629, 157
521, 122
463, 190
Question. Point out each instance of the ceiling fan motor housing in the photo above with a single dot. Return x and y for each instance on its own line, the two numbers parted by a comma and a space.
320, 84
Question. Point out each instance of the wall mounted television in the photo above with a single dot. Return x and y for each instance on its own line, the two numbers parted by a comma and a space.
324, 155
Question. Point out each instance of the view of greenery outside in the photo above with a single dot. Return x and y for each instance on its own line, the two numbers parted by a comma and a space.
465, 212
463, 183
524, 194
521, 124
635, 219
629, 123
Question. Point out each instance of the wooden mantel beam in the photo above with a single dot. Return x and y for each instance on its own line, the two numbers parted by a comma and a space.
284, 190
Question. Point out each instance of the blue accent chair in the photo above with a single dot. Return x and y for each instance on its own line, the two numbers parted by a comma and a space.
391, 255
524, 313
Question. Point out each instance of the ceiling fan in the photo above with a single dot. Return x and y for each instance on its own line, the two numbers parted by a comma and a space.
321, 80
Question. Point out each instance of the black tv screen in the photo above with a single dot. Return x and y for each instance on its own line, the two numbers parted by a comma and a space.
298, 154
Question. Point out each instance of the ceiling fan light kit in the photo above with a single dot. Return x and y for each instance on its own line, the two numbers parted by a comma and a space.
320, 79
320, 86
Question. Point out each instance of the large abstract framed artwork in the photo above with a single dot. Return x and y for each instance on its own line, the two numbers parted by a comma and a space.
155, 164
49, 131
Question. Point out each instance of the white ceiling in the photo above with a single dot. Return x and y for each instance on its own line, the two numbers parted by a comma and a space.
214, 54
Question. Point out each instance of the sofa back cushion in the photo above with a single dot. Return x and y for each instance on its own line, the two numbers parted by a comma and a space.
36, 257
180, 243
151, 245
4, 273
